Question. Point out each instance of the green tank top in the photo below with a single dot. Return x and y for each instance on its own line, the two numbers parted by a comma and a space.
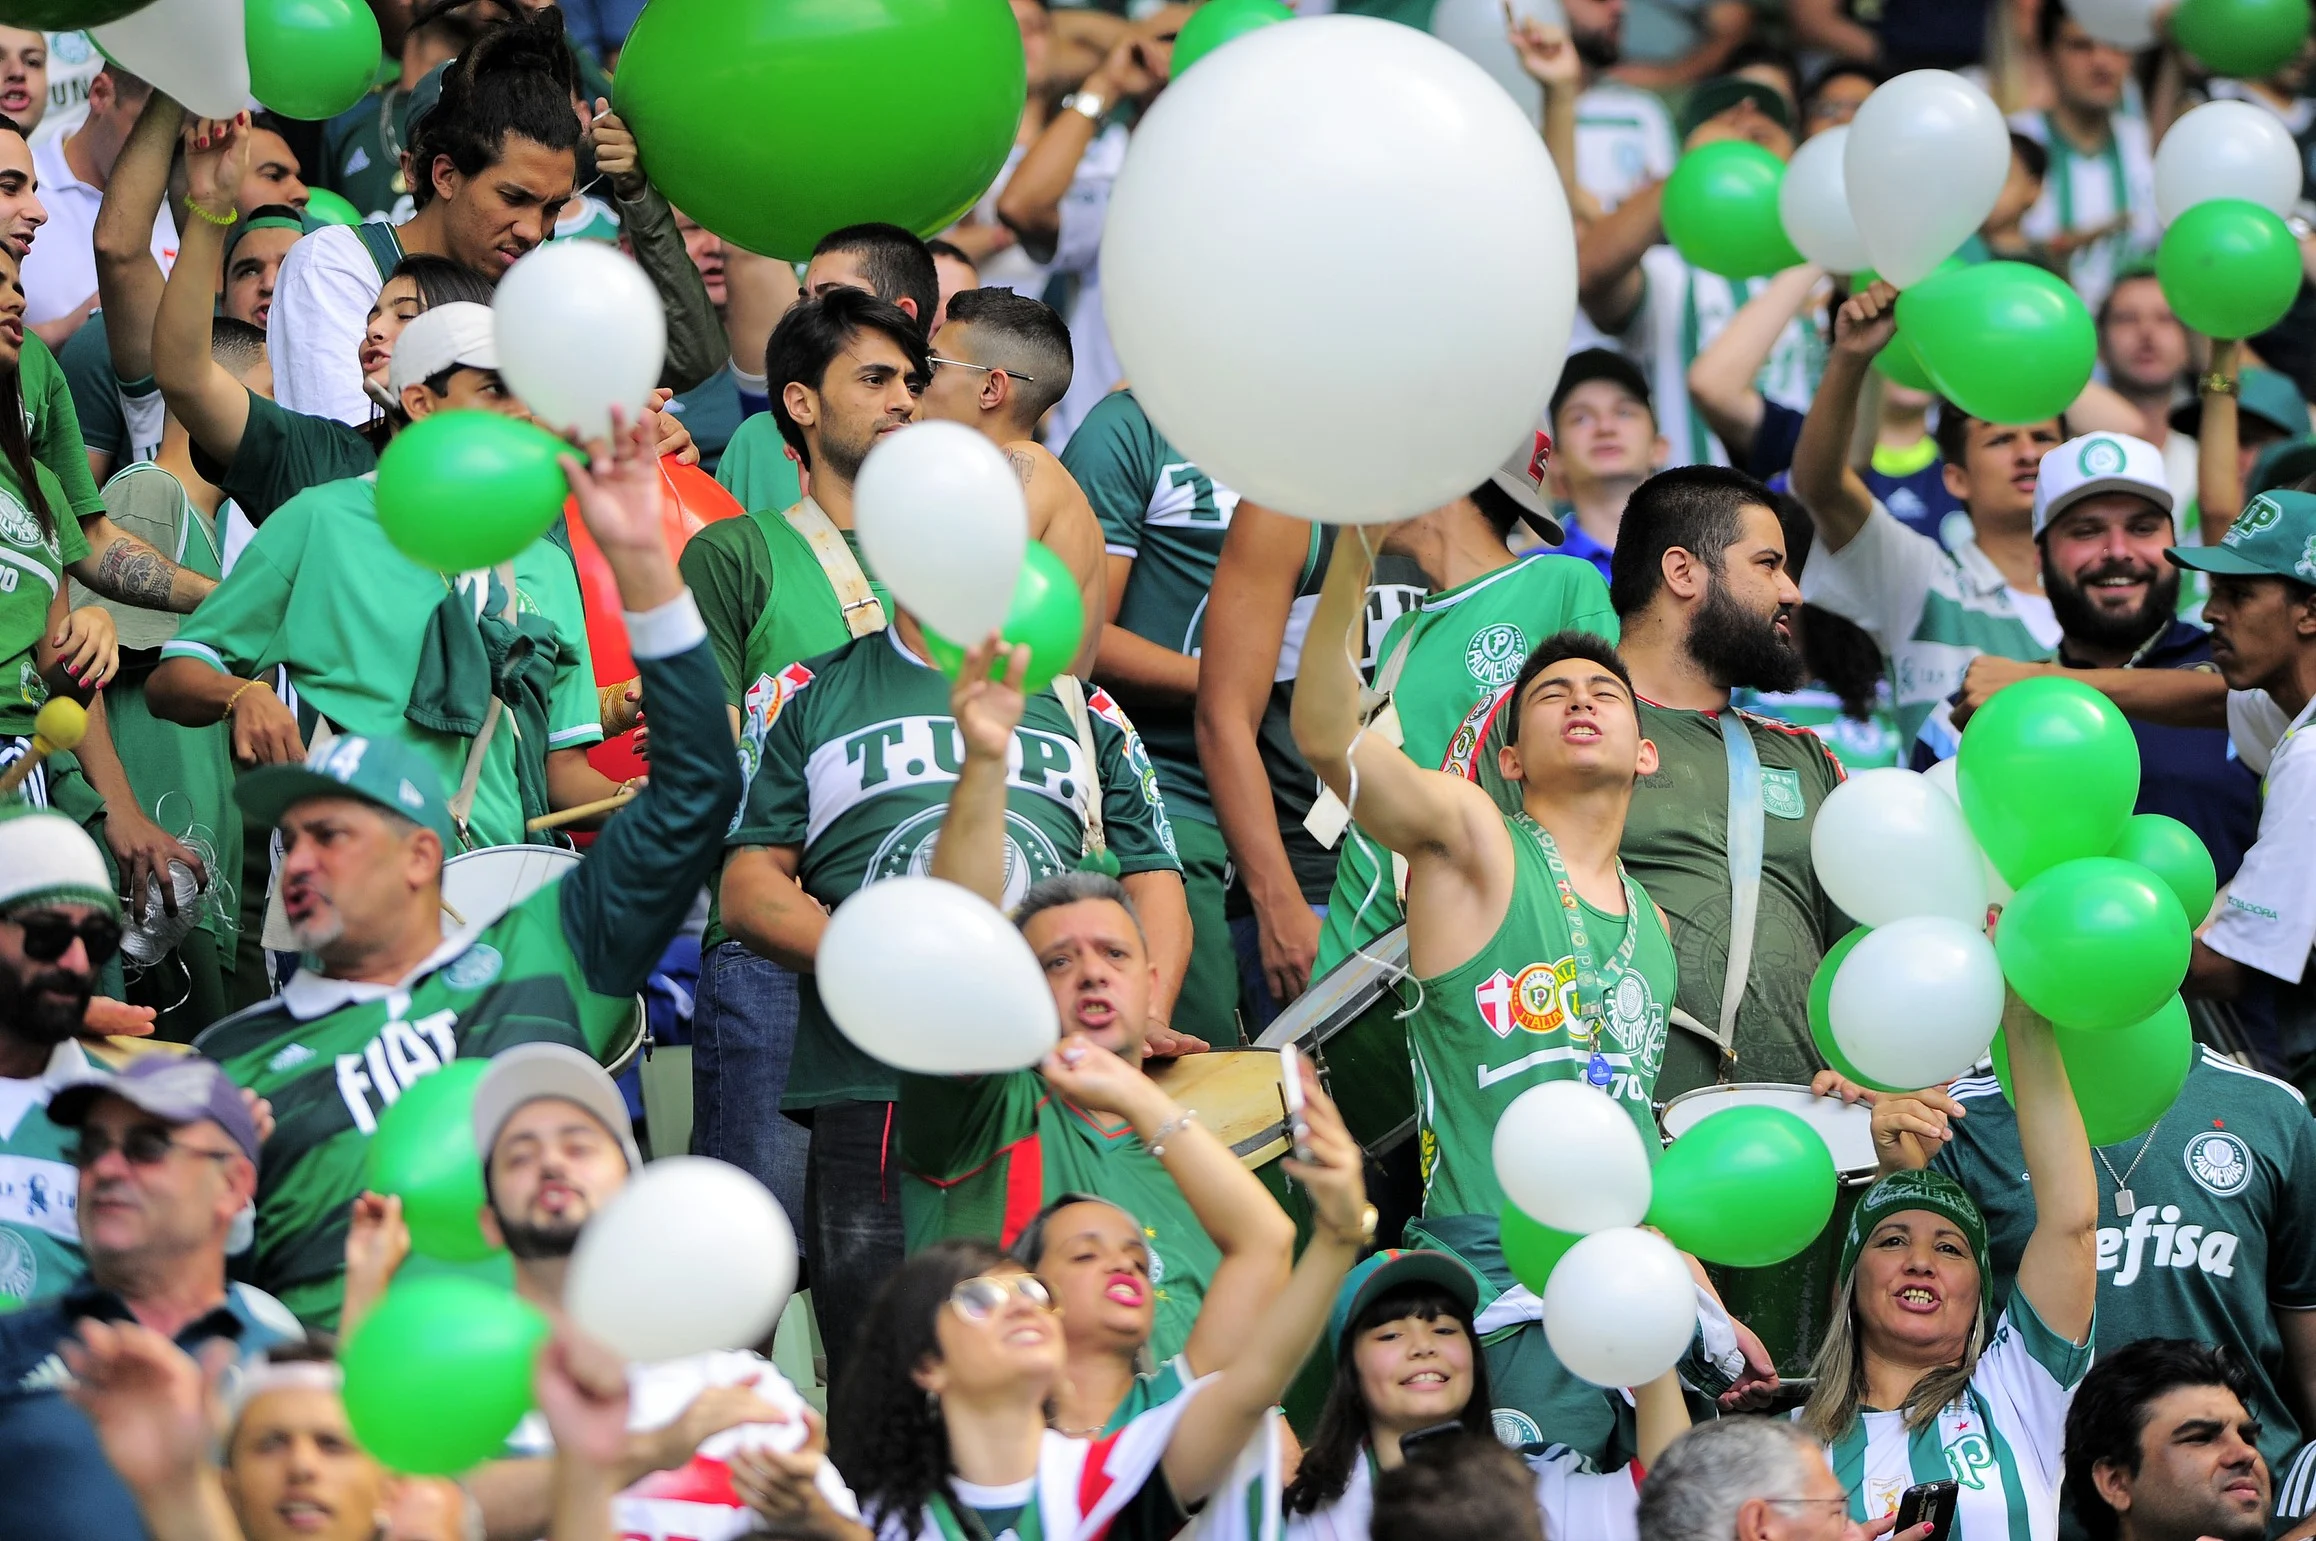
804, 620
1508, 1019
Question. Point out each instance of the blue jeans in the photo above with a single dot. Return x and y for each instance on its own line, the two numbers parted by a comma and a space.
743, 1035
852, 1203
1254, 997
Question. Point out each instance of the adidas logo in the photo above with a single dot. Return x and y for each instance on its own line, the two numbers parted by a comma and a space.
290, 1058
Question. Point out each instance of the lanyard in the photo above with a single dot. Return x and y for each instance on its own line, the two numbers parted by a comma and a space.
2063, 157
959, 1522
1591, 991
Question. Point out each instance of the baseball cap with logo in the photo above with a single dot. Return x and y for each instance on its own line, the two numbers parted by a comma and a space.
1521, 479
376, 770
1393, 1268
531, 1071
2274, 537
179, 1088
456, 334
2096, 463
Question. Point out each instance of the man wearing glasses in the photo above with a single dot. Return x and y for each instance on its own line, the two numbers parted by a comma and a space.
165, 1157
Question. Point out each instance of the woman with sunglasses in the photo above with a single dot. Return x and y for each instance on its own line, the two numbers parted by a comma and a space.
1408, 1371
940, 1422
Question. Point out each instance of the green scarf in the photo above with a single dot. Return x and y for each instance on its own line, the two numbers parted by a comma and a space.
464, 660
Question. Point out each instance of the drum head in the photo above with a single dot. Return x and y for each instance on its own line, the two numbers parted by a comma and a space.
1847, 1128
480, 886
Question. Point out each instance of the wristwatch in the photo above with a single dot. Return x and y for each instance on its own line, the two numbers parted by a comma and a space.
1361, 1235
2216, 384
1092, 104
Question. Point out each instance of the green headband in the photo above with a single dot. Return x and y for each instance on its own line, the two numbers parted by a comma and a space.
1939, 1194
261, 222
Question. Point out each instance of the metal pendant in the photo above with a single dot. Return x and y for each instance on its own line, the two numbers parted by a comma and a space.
2124, 1203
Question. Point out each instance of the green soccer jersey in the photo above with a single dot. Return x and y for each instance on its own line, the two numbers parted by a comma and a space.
33, 555
984, 1154
2221, 1234
40, 1256
562, 966
856, 771
282, 453
55, 428
1860, 743
1461, 646
1166, 516
756, 468
321, 589
1507, 1019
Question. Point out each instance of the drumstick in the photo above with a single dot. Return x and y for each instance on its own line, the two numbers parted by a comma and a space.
556, 820
60, 725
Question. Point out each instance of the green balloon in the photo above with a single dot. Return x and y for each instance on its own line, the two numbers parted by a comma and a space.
1048, 614
424, 1151
462, 490
1532, 1249
1899, 366
2229, 267
1217, 22
1821, 1016
2242, 38
2174, 853
2123, 1080
750, 115
2048, 772
1720, 210
439, 1374
1746, 1187
310, 59
2095, 944
2004, 341
324, 207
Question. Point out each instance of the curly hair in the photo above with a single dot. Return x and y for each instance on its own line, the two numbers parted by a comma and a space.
517, 78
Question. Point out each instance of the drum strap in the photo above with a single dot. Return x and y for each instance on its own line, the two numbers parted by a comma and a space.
1745, 839
855, 600
1072, 692
462, 801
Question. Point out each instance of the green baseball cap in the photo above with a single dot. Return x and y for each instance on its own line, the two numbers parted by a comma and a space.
377, 770
1925, 1189
1395, 1268
2281, 464
2274, 537
2264, 394
1716, 96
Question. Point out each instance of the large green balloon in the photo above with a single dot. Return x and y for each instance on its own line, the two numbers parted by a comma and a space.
2123, 1080
754, 119
1821, 1016
2229, 267
1747, 1187
324, 207
1217, 22
1896, 361
2096, 944
310, 59
1720, 210
462, 490
424, 1151
2174, 853
2242, 38
2004, 341
1048, 614
2048, 772
1531, 1248
439, 1374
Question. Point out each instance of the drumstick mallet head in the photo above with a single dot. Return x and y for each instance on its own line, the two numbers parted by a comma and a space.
62, 723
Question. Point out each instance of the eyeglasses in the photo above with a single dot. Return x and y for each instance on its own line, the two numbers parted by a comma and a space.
937, 361
1844, 1501
145, 1145
979, 1299
48, 936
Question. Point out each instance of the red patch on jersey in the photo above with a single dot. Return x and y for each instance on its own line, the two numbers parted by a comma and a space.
1540, 458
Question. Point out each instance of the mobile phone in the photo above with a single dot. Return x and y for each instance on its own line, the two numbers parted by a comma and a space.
1430, 1439
1927, 1501
1291, 1084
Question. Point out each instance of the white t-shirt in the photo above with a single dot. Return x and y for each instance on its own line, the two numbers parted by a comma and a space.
1682, 310
2268, 921
1578, 1503
1095, 370
60, 270
2086, 192
321, 303
72, 63
1624, 140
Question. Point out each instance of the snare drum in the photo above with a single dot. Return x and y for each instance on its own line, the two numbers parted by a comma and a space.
1349, 1024
1789, 1304
479, 887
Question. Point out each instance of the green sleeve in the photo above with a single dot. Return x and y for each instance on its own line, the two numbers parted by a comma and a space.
953, 1125
1586, 602
56, 441
71, 540
242, 626
730, 573
1133, 811
87, 362
283, 453
756, 468
778, 805
574, 713
1116, 466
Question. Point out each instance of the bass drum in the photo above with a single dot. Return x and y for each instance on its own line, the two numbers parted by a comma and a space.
1349, 1024
1789, 1304
479, 887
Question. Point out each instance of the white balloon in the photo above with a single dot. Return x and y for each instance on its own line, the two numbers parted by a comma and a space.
1339, 269
191, 49
928, 977
1927, 156
2123, 23
1814, 205
1620, 1308
1475, 29
1573, 1159
580, 330
685, 1229
1887, 844
1941, 776
2226, 150
942, 522
1917, 1001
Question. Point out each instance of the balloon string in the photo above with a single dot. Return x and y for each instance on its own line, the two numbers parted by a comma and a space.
1394, 973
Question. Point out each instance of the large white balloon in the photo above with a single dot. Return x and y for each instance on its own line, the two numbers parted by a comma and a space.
1917, 1001
2124, 23
928, 977
191, 49
1941, 776
1927, 156
942, 522
1475, 29
1814, 205
1569, 1156
1620, 1308
691, 1230
2226, 150
1887, 844
1339, 269
580, 330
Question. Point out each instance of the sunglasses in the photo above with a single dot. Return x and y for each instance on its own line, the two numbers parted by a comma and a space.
145, 1145
979, 1299
48, 936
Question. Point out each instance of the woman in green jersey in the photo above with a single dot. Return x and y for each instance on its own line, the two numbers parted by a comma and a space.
1923, 1376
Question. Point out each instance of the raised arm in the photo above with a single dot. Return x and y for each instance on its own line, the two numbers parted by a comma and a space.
1828, 486
971, 848
202, 395
1031, 203
1721, 378
1609, 282
2058, 1273
757, 293
156, 1413
696, 344
2219, 490
128, 279
1549, 58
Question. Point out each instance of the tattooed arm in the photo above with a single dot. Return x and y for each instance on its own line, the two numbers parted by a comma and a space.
123, 568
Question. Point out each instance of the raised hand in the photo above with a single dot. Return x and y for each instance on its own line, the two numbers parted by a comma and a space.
1335, 1174
217, 154
1544, 52
156, 1411
1867, 320
988, 710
